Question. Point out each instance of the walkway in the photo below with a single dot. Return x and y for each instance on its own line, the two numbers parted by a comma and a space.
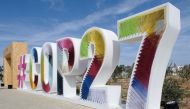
14, 99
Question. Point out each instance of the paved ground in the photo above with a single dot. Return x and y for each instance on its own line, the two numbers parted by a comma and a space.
13, 99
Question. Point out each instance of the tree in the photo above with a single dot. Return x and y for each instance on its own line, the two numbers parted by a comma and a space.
185, 72
130, 70
172, 90
118, 70
169, 70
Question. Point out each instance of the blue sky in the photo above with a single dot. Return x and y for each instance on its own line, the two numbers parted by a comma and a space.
39, 21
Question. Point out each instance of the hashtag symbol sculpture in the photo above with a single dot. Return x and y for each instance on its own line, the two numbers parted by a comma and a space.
21, 74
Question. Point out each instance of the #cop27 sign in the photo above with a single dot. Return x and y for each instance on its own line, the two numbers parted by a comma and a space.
96, 55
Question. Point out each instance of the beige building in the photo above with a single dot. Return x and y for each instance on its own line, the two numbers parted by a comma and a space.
11, 59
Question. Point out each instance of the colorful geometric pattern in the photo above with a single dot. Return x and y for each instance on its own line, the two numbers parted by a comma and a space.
34, 73
49, 67
91, 38
65, 47
66, 56
45, 86
69, 65
99, 55
153, 25
21, 74
150, 23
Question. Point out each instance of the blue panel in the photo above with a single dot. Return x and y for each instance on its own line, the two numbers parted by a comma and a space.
86, 86
35, 54
139, 88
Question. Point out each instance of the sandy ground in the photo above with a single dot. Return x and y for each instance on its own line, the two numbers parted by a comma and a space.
13, 99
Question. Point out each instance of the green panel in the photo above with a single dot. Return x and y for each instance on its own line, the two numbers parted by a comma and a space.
84, 47
128, 27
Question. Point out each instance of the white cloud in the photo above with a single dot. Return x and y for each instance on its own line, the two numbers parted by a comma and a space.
35, 35
89, 19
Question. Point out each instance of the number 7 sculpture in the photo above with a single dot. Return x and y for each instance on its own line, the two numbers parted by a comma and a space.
157, 29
